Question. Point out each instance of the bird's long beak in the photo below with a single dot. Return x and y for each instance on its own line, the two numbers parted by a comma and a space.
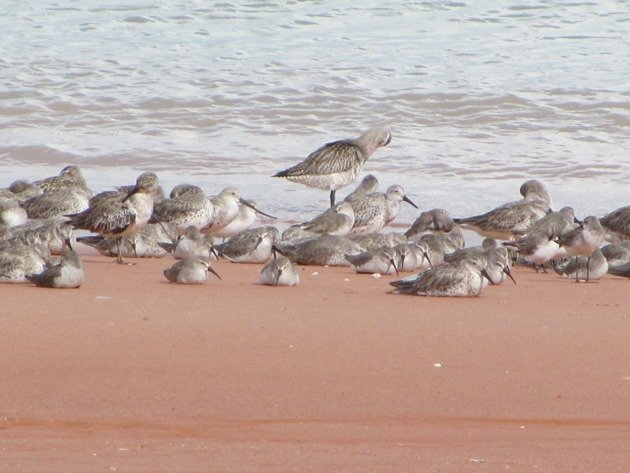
251, 206
506, 270
426, 255
391, 260
132, 192
279, 274
213, 272
69, 243
487, 276
578, 221
408, 200
214, 252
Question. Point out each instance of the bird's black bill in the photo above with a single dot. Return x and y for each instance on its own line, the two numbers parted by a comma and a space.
487, 276
213, 272
249, 204
506, 270
408, 200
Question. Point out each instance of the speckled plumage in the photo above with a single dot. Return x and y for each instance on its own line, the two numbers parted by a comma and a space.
338, 163
462, 279
186, 208
577, 267
372, 212
71, 199
325, 250
67, 272
382, 260
191, 243
337, 220
54, 233
250, 246
145, 243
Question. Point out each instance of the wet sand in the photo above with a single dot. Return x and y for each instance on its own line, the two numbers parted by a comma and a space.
132, 374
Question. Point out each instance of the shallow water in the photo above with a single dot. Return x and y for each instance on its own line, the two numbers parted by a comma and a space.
480, 96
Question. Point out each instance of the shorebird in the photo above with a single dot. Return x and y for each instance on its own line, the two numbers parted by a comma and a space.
187, 207
618, 222
367, 185
279, 272
12, 213
594, 266
373, 211
430, 251
251, 246
337, 220
67, 272
191, 243
620, 270
380, 261
439, 223
463, 279
190, 270
115, 215
54, 233
584, 240
145, 243
514, 217
407, 257
554, 223
497, 259
376, 240
69, 176
336, 164
22, 260
56, 203
536, 248
226, 208
617, 253
325, 250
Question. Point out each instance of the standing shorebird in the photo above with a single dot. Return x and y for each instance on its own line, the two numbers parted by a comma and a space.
583, 241
118, 214
337, 164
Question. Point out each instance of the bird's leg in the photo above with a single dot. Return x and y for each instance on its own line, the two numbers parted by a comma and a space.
577, 269
119, 259
332, 198
588, 263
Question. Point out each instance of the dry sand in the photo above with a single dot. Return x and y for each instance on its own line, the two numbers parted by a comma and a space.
132, 374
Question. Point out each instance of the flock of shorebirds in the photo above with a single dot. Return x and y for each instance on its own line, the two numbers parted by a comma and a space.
38, 222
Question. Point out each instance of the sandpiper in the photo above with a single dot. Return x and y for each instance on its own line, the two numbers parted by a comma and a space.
22, 260
325, 250
367, 185
617, 253
279, 272
430, 251
12, 213
58, 202
226, 208
188, 207
584, 240
536, 248
251, 246
337, 220
117, 216
462, 279
440, 223
67, 272
376, 240
618, 222
54, 233
590, 267
191, 243
145, 243
373, 211
336, 164
190, 270
407, 257
554, 223
382, 260
503, 221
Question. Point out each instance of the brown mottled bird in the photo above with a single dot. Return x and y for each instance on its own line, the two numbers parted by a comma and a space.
117, 214
336, 164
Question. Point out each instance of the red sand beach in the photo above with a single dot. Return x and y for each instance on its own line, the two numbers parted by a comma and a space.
132, 374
